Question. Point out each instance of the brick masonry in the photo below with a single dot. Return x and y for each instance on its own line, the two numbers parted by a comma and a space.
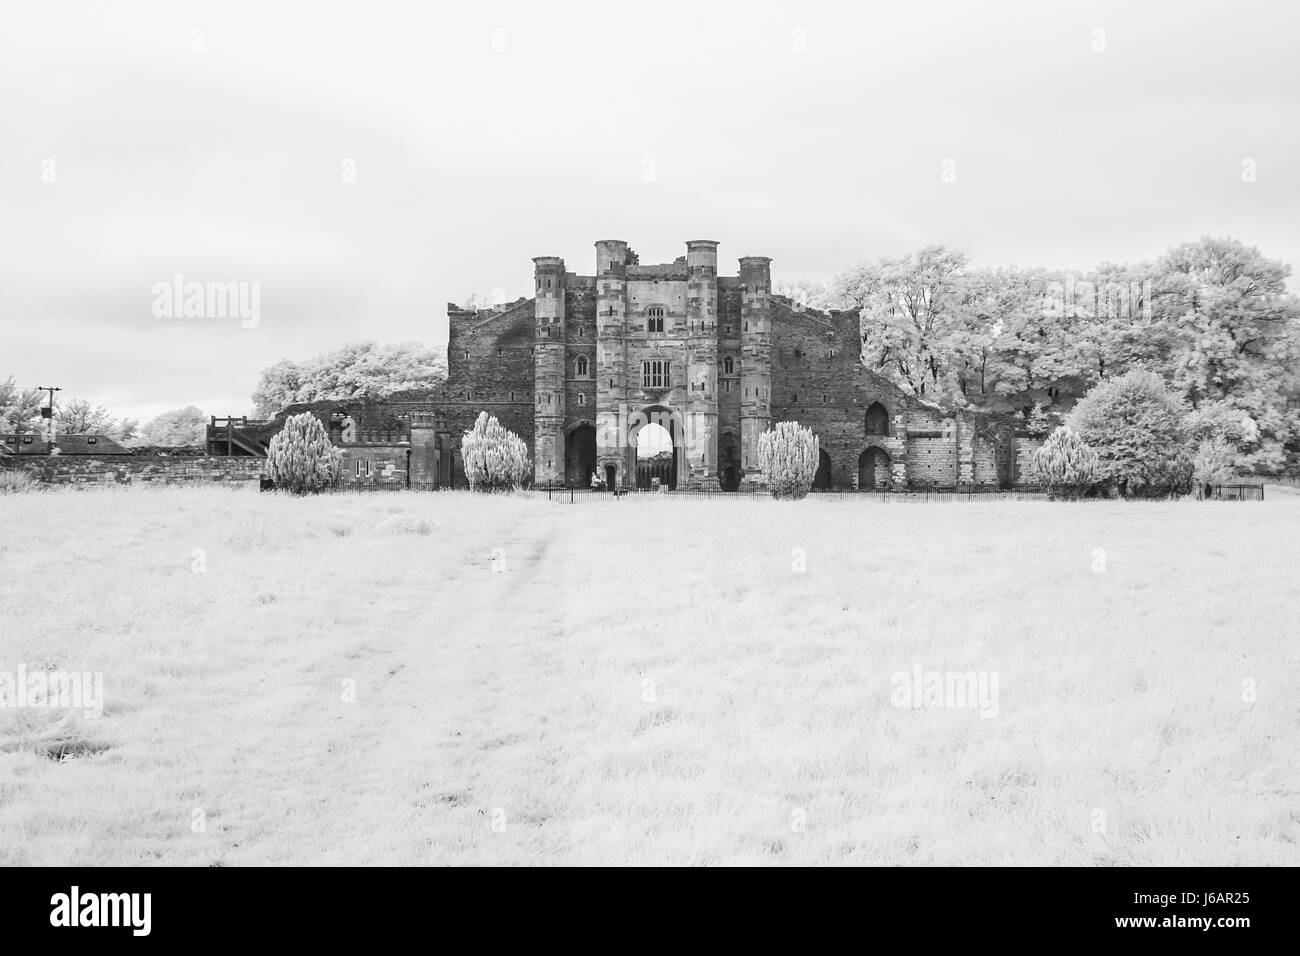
565, 370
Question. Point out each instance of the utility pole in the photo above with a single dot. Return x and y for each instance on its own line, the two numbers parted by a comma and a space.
49, 413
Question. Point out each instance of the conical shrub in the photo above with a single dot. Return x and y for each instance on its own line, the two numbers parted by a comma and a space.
301, 459
788, 455
1064, 464
496, 459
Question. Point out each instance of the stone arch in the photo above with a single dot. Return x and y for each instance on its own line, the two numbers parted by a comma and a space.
579, 453
822, 480
874, 469
670, 421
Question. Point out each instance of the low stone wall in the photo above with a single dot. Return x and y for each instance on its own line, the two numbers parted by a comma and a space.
134, 469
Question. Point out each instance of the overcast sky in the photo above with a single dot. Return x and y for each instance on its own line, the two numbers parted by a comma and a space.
367, 162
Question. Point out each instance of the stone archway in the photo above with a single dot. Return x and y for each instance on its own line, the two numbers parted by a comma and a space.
822, 480
656, 442
728, 461
874, 472
656, 457
579, 455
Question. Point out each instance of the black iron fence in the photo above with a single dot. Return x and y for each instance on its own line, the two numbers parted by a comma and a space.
575, 495
1230, 492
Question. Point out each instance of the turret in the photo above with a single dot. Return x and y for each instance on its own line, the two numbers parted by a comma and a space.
548, 361
611, 357
702, 362
755, 359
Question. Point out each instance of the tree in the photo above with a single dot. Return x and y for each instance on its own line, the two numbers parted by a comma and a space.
807, 293
177, 428
20, 408
1233, 336
1214, 462
788, 455
301, 458
1064, 464
356, 370
79, 417
909, 311
277, 388
496, 459
1135, 425
127, 431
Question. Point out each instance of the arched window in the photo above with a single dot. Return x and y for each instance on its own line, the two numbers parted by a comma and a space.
654, 318
582, 366
728, 365
877, 420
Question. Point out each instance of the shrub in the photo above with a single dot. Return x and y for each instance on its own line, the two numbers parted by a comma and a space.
1215, 462
1065, 464
16, 481
787, 457
301, 459
496, 459
1135, 425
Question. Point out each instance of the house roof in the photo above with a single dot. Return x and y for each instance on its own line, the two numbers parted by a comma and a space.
34, 444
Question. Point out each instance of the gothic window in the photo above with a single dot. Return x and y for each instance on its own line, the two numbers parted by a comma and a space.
728, 365
877, 420
654, 319
582, 399
654, 374
582, 366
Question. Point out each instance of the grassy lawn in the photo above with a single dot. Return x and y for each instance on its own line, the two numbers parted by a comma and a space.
442, 679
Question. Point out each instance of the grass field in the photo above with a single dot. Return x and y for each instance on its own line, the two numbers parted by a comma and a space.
443, 679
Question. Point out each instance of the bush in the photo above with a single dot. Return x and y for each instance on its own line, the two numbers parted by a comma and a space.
787, 457
301, 459
1215, 462
16, 481
1135, 425
496, 459
1064, 464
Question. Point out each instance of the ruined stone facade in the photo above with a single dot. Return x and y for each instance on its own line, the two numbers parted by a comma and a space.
578, 369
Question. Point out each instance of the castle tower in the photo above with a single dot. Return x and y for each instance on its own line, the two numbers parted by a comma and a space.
548, 370
701, 411
755, 359
611, 360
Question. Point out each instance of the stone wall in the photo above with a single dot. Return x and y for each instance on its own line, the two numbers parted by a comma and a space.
131, 469
1025, 447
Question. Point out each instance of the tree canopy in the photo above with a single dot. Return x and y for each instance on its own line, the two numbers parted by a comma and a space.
1212, 318
356, 370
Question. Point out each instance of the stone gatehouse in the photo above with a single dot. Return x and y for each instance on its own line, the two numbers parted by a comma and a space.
585, 366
